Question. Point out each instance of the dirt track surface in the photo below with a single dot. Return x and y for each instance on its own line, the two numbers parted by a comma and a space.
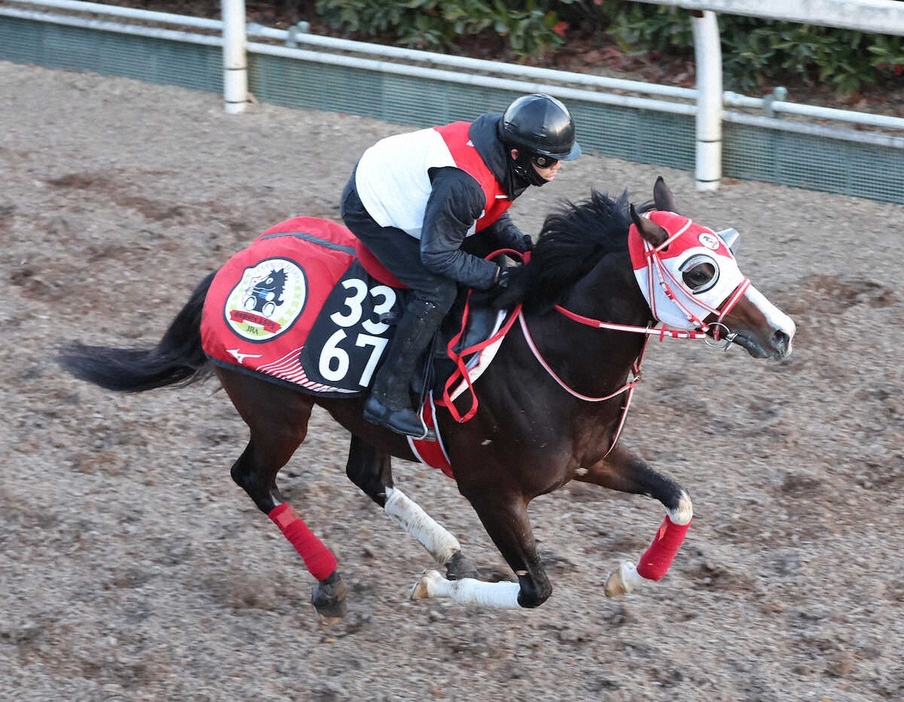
132, 568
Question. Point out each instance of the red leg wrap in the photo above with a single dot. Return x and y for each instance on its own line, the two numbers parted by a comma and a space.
657, 559
320, 562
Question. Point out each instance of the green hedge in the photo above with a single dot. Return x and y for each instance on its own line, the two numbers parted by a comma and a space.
756, 53
525, 29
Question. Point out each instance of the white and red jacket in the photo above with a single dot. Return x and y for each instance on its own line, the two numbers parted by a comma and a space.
441, 185
394, 184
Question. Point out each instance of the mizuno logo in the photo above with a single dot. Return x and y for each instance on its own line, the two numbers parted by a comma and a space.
240, 357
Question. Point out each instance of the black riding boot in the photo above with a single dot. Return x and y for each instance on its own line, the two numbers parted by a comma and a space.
389, 404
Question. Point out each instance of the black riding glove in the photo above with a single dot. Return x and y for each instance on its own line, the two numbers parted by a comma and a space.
486, 298
527, 244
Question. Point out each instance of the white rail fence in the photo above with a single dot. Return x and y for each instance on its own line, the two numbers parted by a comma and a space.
870, 16
876, 16
708, 104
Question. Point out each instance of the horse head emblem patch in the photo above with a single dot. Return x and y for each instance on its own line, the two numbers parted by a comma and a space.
267, 300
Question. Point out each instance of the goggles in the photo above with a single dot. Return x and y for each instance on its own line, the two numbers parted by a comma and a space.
541, 161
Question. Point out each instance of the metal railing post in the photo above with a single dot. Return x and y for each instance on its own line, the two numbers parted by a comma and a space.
235, 61
708, 55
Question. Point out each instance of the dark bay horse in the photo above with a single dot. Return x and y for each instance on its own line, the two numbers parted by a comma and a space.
603, 278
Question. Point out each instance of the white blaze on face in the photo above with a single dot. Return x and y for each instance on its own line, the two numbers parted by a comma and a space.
774, 316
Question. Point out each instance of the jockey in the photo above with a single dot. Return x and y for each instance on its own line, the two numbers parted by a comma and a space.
414, 198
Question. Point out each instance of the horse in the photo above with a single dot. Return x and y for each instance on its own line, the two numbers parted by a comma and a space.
604, 277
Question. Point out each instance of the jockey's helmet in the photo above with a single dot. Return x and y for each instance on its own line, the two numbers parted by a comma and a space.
540, 125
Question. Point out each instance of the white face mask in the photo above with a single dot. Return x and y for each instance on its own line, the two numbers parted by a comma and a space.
687, 278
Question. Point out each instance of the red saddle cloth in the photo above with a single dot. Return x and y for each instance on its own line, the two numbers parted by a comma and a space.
264, 301
303, 305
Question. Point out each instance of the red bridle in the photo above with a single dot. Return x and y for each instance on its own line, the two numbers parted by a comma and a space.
654, 263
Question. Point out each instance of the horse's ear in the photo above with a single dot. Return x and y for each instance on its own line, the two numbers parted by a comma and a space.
662, 196
730, 238
648, 229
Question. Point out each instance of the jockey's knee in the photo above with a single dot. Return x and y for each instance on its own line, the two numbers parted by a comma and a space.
442, 293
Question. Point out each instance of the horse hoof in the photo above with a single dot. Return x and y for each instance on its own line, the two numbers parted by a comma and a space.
330, 621
460, 567
622, 580
615, 586
329, 600
425, 588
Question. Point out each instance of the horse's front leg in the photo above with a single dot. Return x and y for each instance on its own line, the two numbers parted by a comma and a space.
504, 516
623, 471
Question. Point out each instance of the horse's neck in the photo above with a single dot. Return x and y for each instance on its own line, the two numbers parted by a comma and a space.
609, 293
594, 358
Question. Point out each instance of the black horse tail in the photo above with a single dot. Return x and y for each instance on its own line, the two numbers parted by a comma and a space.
177, 360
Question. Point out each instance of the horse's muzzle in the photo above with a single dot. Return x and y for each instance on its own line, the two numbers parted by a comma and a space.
779, 345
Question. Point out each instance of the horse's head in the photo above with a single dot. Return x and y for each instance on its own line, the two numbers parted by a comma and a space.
275, 280
691, 281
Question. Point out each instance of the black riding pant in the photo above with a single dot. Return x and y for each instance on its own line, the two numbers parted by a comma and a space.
397, 250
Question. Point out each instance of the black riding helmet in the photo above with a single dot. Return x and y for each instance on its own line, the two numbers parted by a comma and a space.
538, 125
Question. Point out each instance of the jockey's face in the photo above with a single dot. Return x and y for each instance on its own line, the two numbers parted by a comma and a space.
545, 166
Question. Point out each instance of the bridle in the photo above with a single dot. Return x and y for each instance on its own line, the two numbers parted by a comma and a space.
667, 280
657, 274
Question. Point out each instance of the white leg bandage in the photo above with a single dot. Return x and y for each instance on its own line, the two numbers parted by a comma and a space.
468, 591
438, 542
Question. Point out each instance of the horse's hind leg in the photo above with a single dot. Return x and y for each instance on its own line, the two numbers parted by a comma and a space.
623, 471
278, 420
371, 471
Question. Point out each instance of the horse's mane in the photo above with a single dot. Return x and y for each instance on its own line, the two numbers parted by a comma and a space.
573, 240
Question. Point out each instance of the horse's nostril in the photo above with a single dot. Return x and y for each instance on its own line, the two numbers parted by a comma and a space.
781, 341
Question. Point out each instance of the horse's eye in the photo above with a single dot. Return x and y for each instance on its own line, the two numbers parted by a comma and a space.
699, 273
